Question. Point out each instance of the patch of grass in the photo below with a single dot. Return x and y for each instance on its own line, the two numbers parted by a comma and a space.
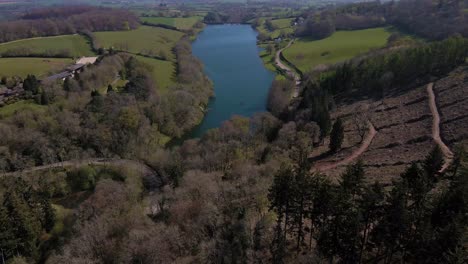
74, 45
186, 22
342, 45
269, 62
118, 85
159, 20
21, 106
38, 66
62, 215
163, 72
146, 40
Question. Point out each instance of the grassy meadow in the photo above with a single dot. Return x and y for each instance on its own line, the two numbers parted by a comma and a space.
342, 45
178, 22
146, 40
283, 23
38, 66
75, 45
21, 106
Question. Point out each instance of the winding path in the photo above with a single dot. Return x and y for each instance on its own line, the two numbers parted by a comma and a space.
364, 146
76, 163
289, 71
436, 128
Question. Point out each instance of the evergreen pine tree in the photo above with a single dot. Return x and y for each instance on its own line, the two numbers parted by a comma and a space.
337, 136
433, 163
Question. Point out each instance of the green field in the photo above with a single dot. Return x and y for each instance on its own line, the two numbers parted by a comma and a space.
283, 23
23, 106
178, 22
163, 72
284, 26
37, 66
159, 20
144, 40
74, 45
342, 45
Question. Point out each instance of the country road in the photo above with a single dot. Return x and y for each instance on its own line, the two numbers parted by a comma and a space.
364, 146
289, 71
436, 128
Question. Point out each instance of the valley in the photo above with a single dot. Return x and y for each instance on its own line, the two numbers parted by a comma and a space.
233, 132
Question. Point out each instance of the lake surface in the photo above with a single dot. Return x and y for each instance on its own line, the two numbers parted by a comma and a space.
241, 82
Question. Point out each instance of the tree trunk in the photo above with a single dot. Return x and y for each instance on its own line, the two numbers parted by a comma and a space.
364, 239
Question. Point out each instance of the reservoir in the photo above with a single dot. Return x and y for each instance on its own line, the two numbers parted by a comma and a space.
241, 82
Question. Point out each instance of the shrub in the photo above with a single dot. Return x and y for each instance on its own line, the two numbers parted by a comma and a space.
82, 179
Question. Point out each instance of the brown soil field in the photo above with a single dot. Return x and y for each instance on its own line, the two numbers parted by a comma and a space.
404, 127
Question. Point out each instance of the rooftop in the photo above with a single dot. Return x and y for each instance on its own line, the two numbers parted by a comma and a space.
57, 76
75, 67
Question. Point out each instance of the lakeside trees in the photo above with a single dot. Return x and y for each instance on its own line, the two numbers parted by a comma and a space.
128, 122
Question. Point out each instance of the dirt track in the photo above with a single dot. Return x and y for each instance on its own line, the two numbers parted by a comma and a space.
76, 163
288, 70
436, 128
364, 146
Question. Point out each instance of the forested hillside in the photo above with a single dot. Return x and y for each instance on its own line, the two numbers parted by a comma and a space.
67, 20
428, 19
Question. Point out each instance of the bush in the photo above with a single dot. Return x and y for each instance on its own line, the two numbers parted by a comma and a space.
109, 173
82, 179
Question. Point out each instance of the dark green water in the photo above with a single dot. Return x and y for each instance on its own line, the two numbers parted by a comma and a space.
241, 82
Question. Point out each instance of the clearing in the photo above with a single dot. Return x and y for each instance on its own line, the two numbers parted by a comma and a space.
69, 45
163, 72
407, 124
342, 45
38, 66
151, 41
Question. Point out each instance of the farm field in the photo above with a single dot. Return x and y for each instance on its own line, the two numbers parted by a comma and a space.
38, 66
282, 23
163, 72
145, 40
72, 45
178, 22
342, 45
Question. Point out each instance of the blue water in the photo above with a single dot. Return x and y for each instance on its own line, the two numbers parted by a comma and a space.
241, 82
